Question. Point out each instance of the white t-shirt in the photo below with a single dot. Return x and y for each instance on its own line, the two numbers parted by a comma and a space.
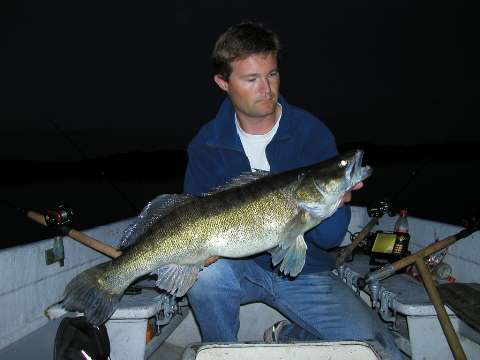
255, 145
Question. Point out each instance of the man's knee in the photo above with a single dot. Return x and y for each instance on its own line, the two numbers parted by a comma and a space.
215, 281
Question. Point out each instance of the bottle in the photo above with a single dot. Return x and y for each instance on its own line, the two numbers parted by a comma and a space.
401, 225
403, 237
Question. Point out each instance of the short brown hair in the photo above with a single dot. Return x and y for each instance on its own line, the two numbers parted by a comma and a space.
241, 41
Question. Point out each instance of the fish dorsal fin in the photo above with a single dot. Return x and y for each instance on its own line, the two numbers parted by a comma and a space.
155, 209
177, 279
243, 179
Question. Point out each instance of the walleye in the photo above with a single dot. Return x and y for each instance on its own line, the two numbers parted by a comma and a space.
254, 213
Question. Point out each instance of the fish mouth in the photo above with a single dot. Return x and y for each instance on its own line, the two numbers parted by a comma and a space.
349, 172
356, 172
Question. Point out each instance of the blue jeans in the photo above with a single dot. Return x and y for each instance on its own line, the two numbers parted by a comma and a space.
320, 306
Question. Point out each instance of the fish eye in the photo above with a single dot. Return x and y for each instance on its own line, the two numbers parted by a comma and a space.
343, 163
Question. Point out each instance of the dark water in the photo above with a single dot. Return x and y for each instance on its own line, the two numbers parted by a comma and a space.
99, 190
439, 182
93, 202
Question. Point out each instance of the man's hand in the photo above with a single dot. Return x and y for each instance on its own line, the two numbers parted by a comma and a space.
211, 260
348, 195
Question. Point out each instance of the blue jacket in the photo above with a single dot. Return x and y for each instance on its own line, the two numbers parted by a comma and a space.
216, 155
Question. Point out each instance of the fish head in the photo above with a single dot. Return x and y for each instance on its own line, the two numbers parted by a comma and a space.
341, 173
322, 186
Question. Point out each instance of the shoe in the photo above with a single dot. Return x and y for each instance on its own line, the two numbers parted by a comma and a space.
272, 333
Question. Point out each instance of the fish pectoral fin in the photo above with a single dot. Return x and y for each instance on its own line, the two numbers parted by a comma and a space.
292, 249
177, 279
292, 258
278, 253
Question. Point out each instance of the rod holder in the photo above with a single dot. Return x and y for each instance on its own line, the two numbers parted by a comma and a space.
56, 253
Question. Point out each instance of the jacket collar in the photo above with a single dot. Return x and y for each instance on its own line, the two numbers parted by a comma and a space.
224, 132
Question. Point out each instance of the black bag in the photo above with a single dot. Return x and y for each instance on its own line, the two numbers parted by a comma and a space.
76, 338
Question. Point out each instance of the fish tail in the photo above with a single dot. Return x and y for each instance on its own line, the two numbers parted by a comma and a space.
88, 293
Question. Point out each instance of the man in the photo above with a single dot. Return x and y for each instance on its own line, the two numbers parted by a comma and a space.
255, 128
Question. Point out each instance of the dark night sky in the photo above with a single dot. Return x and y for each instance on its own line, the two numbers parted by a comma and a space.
122, 76
119, 76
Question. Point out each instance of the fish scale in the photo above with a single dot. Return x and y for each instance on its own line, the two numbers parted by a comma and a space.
256, 212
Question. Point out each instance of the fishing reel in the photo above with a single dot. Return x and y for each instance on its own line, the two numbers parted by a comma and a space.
59, 216
380, 208
381, 245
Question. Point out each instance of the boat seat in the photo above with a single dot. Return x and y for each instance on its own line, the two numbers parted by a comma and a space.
127, 326
413, 315
344, 350
464, 300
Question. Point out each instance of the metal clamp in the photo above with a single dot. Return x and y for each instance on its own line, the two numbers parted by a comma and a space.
349, 277
374, 288
56, 253
167, 310
386, 298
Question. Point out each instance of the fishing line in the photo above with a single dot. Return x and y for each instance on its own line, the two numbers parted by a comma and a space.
99, 171
410, 180
417, 170
12, 206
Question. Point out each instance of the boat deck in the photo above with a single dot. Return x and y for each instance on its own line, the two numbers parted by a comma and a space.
167, 351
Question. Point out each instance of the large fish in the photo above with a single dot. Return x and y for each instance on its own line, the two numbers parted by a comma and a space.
252, 214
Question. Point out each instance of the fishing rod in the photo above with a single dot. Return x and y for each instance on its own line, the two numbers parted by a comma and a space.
413, 174
99, 171
58, 218
376, 211
419, 259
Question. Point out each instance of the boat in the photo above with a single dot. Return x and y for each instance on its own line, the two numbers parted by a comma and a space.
152, 325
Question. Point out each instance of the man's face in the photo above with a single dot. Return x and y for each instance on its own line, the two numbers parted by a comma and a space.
253, 85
